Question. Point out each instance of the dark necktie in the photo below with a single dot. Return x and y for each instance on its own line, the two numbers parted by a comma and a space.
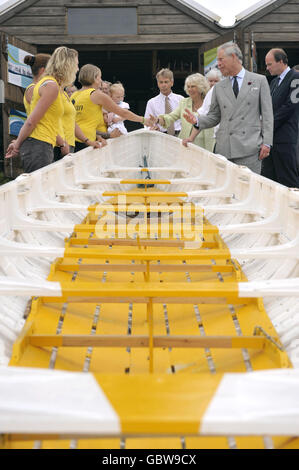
274, 86
236, 87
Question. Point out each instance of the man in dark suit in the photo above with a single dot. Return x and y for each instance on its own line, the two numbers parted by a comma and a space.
281, 165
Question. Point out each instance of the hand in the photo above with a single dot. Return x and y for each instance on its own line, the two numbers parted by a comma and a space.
115, 133
12, 150
264, 152
186, 141
96, 144
100, 140
189, 116
65, 149
151, 121
117, 119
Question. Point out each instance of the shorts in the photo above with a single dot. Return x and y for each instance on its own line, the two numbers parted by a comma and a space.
80, 146
35, 154
58, 155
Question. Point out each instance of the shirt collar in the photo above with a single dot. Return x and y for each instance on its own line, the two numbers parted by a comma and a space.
164, 96
283, 74
239, 75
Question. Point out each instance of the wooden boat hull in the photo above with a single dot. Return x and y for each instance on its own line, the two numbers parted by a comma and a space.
154, 290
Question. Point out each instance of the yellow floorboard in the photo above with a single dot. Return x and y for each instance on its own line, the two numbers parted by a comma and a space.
131, 318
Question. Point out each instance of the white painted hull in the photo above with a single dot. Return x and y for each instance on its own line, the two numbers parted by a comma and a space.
257, 218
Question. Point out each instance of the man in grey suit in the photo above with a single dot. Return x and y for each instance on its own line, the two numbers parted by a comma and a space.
242, 105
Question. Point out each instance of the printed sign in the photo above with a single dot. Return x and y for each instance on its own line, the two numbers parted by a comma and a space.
16, 121
18, 73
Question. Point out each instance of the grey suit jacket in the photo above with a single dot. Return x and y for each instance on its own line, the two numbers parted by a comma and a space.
246, 122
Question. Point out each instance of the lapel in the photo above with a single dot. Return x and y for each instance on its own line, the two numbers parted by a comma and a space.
244, 88
243, 92
228, 89
247, 83
278, 93
273, 86
284, 83
189, 104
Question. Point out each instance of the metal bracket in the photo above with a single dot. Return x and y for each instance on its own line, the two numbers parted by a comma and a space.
259, 331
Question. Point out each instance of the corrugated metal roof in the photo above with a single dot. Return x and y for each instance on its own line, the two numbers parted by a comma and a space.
195, 6
253, 9
192, 4
8, 5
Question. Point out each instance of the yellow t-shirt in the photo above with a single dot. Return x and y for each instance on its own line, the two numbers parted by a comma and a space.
88, 115
102, 127
48, 127
68, 119
27, 105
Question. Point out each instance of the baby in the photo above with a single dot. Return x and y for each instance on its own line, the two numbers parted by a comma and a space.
117, 93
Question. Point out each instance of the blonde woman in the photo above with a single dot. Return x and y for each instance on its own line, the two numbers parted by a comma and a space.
69, 130
38, 135
196, 86
90, 100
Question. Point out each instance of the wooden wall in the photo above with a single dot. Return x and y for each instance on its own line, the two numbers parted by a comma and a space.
159, 22
278, 24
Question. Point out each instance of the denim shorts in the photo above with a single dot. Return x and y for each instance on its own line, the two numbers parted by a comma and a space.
35, 154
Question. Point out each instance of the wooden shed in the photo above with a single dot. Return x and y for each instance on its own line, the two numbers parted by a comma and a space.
271, 24
130, 40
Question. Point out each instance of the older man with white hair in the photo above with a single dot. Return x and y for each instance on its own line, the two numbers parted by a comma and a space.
242, 104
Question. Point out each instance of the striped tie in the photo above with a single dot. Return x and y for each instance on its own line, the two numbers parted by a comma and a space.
170, 129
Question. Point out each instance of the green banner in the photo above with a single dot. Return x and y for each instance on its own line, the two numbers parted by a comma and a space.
210, 59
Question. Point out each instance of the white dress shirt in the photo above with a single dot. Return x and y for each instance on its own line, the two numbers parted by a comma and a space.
205, 108
282, 75
156, 106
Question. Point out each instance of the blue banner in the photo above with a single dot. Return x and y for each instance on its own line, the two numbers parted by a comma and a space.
16, 121
18, 73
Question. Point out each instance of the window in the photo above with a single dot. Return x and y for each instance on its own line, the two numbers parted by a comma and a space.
102, 21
